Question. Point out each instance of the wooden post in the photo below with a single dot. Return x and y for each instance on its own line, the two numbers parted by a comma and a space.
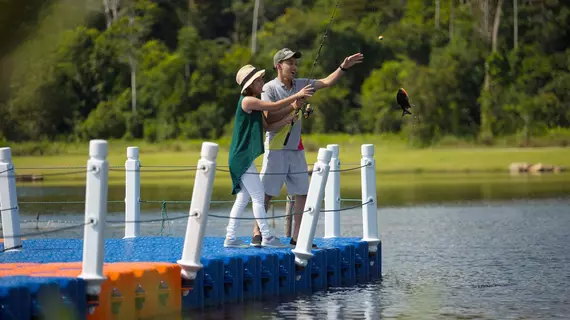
289, 208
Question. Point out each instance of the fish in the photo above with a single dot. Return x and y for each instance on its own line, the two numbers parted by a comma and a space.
403, 100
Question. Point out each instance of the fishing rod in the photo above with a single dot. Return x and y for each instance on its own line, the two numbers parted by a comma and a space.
309, 111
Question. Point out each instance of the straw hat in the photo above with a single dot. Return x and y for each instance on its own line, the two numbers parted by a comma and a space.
247, 74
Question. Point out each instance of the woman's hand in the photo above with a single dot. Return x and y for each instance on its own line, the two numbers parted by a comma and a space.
298, 104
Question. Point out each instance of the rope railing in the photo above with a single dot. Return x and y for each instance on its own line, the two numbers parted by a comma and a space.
291, 214
297, 172
52, 168
155, 170
174, 169
152, 220
77, 225
253, 218
160, 201
164, 218
39, 233
46, 174
91, 221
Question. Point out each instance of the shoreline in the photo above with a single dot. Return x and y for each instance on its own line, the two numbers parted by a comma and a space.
394, 158
553, 139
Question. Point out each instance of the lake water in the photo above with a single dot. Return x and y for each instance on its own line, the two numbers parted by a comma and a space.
469, 247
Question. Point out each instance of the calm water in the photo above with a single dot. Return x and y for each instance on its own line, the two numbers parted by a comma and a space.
469, 249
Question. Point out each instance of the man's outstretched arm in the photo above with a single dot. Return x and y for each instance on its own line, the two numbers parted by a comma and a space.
335, 75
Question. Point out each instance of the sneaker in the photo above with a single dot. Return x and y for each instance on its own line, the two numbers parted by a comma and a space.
293, 243
234, 243
273, 242
256, 241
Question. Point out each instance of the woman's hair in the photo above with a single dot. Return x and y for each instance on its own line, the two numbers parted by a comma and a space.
248, 91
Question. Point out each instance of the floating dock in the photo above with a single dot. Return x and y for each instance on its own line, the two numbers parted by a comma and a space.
144, 280
140, 277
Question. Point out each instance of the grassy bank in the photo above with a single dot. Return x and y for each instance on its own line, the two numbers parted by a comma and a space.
553, 138
393, 156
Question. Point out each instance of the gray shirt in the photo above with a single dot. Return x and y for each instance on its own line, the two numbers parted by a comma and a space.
275, 90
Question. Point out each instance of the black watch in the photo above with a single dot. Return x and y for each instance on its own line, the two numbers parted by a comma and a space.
343, 69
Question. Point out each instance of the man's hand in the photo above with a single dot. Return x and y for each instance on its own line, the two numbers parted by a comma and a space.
337, 73
352, 60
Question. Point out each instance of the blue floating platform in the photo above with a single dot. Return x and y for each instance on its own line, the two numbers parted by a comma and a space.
229, 275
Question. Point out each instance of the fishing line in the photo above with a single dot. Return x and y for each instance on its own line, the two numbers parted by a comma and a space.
296, 113
322, 42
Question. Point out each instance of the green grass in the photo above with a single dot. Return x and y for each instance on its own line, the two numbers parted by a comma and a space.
404, 174
392, 156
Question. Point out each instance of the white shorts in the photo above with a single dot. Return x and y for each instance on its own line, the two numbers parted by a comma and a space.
289, 166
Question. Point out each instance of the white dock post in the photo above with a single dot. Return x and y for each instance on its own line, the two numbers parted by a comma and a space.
132, 193
95, 213
369, 210
315, 196
9, 202
198, 214
332, 195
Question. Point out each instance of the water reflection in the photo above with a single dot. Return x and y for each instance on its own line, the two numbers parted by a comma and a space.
334, 309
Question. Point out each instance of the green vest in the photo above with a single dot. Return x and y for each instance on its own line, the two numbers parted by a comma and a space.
247, 143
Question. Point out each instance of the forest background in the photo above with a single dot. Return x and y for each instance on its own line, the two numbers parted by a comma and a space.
479, 72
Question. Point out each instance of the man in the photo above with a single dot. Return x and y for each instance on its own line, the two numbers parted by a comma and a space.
287, 163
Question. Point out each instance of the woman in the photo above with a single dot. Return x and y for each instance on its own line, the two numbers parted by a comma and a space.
246, 146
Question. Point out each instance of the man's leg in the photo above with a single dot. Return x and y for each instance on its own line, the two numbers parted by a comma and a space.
256, 230
272, 180
298, 184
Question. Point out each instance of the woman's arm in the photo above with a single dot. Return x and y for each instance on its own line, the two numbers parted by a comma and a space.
275, 116
252, 103
279, 124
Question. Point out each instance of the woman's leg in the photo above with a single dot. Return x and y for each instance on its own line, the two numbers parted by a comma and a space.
242, 199
251, 182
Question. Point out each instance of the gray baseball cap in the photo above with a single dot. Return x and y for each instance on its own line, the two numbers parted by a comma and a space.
285, 54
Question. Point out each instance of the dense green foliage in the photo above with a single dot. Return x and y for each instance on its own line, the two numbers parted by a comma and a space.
68, 67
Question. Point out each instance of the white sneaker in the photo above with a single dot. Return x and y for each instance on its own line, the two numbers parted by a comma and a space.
273, 242
235, 243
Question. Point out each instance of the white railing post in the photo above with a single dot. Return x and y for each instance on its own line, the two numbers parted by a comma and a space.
369, 210
332, 195
95, 214
132, 193
198, 214
312, 208
9, 202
